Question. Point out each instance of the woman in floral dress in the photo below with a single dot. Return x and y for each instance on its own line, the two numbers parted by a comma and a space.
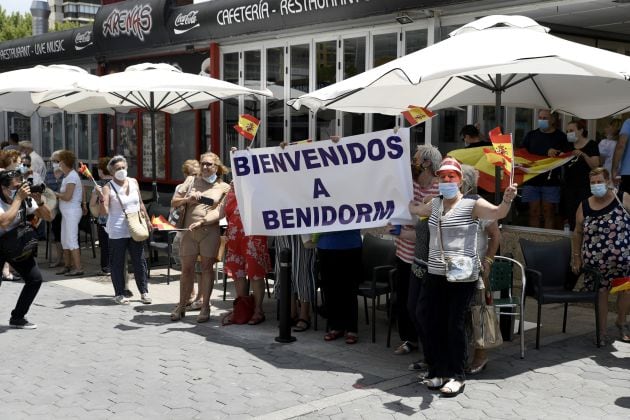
601, 240
246, 257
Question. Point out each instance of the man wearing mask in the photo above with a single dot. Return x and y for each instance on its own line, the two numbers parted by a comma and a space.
37, 163
542, 192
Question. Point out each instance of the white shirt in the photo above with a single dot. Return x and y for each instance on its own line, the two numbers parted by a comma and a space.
116, 224
38, 167
77, 194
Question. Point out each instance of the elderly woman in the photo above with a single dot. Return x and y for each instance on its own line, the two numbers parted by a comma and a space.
601, 241
203, 196
119, 196
13, 195
53, 180
101, 221
425, 162
70, 198
453, 225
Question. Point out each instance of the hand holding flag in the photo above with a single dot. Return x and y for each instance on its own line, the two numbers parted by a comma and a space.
83, 170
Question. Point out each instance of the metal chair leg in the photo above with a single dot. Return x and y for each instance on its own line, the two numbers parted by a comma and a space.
367, 318
597, 339
564, 321
538, 327
373, 320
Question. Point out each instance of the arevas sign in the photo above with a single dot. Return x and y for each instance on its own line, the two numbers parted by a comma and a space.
134, 22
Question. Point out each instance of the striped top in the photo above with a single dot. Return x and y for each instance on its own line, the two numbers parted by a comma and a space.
405, 248
459, 233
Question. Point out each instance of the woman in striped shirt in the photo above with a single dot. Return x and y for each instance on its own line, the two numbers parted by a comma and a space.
457, 216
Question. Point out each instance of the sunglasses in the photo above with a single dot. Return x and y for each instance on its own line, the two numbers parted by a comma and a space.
208, 164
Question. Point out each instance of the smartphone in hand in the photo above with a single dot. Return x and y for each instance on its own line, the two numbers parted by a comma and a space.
206, 200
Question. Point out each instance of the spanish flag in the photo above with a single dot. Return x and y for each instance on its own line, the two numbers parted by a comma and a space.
502, 152
526, 165
247, 126
620, 284
83, 170
161, 223
417, 114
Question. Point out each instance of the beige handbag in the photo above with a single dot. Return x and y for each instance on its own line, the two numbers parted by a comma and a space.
136, 221
485, 327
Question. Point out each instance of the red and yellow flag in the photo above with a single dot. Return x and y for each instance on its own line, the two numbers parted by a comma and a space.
161, 223
620, 284
247, 126
417, 114
502, 152
83, 170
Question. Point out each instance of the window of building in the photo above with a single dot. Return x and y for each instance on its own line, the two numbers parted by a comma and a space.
353, 63
181, 145
253, 69
300, 84
275, 105
385, 49
325, 75
230, 106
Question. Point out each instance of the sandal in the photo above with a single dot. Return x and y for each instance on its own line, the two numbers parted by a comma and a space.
405, 348
624, 332
257, 318
476, 368
227, 319
434, 383
351, 338
64, 271
333, 335
452, 388
301, 325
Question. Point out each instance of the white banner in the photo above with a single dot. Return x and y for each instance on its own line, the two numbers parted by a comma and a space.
359, 182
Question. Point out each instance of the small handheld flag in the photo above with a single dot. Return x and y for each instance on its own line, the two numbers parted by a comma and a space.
417, 114
247, 126
161, 223
503, 151
83, 170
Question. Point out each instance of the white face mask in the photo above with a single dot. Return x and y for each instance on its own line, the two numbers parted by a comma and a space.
56, 165
572, 137
120, 174
211, 178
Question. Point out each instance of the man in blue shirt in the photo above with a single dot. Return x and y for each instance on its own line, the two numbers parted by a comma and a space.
542, 192
622, 155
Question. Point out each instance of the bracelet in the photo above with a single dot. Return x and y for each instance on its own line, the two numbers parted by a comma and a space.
489, 260
507, 202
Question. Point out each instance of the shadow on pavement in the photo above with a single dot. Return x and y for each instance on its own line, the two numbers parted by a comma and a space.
98, 300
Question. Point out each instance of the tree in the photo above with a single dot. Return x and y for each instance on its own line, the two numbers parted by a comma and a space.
15, 25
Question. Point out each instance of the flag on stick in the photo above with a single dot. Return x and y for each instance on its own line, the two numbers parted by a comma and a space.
417, 114
247, 126
502, 152
161, 223
620, 284
83, 170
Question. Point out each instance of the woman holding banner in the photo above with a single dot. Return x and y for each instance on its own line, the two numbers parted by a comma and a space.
601, 241
453, 225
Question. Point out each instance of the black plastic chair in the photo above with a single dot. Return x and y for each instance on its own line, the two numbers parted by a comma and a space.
378, 258
161, 241
549, 274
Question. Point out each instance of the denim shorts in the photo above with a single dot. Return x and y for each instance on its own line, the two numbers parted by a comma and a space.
533, 194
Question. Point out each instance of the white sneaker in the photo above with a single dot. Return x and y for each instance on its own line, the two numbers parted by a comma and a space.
145, 298
121, 300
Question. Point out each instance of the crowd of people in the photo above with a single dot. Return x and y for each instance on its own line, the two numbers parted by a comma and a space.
454, 222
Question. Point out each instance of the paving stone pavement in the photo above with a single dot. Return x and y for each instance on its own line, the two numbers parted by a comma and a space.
90, 358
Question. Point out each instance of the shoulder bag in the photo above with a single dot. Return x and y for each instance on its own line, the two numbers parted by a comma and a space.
136, 221
485, 327
177, 214
460, 268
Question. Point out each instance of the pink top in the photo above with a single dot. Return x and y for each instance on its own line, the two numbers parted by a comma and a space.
404, 247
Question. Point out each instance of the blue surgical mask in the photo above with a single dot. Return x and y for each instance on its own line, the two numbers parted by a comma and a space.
599, 190
211, 178
543, 124
448, 190
21, 168
12, 192
572, 137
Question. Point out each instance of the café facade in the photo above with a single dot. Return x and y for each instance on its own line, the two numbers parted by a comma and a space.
288, 46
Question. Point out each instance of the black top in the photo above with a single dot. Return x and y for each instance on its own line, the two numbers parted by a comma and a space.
539, 143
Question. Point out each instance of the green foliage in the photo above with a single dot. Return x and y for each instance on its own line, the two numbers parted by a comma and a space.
66, 25
14, 25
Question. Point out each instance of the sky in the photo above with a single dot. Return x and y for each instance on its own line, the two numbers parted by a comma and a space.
21, 6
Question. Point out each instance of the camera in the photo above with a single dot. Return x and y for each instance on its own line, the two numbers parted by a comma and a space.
39, 188
206, 200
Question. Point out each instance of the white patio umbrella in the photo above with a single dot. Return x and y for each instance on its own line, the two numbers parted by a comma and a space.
152, 87
509, 60
16, 87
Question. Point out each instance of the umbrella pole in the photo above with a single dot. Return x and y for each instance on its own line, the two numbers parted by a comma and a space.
497, 115
153, 157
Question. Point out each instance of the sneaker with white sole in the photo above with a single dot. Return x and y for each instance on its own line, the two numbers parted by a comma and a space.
22, 324
145, 298
121, 300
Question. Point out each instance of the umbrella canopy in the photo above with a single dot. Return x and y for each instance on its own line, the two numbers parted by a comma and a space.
16, 87
152, 87
536, 70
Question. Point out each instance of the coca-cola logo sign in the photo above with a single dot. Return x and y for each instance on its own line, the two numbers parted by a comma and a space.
135, 22
184, 22
82, 40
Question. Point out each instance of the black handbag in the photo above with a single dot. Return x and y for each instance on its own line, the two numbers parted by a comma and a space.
20, 243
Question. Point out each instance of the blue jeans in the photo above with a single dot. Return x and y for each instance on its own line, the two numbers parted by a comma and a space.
117, 250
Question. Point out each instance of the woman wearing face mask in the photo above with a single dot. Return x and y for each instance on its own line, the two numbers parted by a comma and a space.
70, 198
575, 187
203, 196
53, 179
11, 160
600, 240
453, 225
123, 193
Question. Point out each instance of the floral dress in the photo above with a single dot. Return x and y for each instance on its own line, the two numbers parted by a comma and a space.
246, 256
606, 245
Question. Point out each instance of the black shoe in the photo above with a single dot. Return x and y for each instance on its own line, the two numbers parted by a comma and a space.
127, 293
22, 324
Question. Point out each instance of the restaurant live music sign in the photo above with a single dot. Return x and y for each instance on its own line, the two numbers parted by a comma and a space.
139, 26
